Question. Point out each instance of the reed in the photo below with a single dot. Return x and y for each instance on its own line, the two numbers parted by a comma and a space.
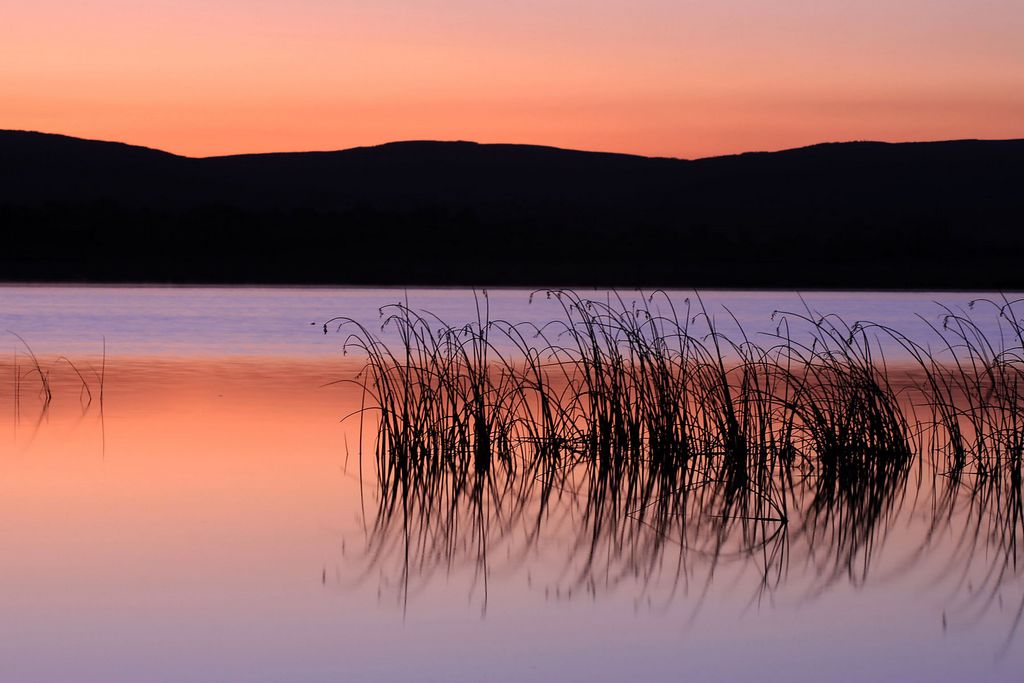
46, 376
624, 386
638, 426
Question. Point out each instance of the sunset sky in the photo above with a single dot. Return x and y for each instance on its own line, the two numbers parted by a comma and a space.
660, 77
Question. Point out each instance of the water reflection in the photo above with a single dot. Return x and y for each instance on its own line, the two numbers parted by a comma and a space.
657, 532
221, 533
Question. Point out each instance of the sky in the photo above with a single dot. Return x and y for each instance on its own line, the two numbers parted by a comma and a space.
679, 78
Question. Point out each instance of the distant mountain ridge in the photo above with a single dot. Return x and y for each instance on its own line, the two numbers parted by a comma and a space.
858, 214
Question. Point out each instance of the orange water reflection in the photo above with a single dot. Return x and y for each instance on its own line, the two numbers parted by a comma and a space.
204, 526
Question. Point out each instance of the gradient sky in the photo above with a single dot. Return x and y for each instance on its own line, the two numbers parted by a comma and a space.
661, 77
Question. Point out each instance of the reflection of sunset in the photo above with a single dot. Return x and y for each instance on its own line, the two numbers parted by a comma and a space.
206, 520
209, 462
654, 77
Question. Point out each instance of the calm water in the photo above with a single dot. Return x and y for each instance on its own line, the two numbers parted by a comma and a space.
208, 525
220, 321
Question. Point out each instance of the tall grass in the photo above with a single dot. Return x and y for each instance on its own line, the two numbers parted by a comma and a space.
647, 431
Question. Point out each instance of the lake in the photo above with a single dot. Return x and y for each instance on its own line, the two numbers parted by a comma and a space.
189, 504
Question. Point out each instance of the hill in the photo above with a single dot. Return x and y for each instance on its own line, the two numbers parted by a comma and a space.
861, 214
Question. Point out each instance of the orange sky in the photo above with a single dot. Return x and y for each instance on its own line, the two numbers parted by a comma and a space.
666, 77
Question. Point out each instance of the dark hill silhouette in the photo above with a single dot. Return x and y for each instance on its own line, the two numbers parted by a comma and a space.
863, 214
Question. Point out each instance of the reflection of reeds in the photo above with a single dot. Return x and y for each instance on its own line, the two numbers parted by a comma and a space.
653, 437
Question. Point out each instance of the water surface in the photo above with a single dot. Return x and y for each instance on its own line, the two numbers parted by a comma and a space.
207, 523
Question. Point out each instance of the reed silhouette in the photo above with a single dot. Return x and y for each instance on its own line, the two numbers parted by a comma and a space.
29, 371
659, 447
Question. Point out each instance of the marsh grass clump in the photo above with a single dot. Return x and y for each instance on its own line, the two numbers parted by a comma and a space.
971, 385
987, 385
638, 426
856, 440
